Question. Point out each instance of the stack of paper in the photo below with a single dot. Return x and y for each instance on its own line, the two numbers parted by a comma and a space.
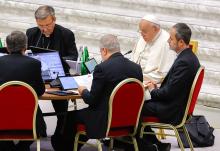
84, 80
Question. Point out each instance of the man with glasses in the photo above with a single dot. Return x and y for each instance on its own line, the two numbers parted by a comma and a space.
152, 51
49, 35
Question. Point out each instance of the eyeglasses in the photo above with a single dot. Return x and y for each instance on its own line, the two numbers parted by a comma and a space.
142, 32
47, 25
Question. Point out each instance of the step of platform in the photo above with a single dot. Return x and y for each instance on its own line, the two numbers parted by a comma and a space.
115, 17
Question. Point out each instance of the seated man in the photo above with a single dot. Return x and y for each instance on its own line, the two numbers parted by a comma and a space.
152, 50
114, 68
50, 35
168, 102
17, 66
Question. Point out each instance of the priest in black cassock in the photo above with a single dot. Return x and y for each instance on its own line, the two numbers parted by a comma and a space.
49, 35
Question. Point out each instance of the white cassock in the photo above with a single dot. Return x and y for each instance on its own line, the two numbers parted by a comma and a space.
155, 58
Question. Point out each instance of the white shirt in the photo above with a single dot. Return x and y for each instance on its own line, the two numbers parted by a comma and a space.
155, 58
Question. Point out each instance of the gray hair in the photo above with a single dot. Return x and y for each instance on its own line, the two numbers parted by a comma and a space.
16, 41
44, 11
110, 42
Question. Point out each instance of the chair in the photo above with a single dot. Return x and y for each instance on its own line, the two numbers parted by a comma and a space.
194, 46
18, 108
154, 122
122, 121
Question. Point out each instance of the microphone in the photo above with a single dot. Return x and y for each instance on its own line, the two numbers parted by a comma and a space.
56, 81
130, 51
57, 74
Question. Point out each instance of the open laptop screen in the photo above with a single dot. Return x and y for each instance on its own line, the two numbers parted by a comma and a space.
51, 64
90, 65
68, 83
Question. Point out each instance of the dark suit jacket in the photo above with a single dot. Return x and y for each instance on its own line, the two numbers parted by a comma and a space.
62, 40
105, 77
22, 68
171, 98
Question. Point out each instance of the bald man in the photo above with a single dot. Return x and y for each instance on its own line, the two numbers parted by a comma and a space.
152, 50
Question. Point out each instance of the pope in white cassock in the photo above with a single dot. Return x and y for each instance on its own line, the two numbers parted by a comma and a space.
152, 50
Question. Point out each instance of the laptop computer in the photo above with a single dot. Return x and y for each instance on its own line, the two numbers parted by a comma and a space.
51, 64
68, 83
3, 51
90, 65
39, 49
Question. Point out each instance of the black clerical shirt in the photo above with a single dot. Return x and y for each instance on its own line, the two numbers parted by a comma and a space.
62, 40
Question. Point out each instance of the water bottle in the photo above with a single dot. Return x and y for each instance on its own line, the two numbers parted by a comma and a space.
85, 57
1, 44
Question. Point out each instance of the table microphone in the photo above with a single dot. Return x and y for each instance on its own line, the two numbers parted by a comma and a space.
130, 51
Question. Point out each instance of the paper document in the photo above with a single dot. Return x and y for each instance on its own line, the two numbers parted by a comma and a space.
2, 54
84, 80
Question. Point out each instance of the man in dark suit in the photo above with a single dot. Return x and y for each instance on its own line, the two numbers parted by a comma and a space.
168, 102
114, 68
17, 66
49, 35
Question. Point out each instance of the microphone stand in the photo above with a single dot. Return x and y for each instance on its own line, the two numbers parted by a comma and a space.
130, 51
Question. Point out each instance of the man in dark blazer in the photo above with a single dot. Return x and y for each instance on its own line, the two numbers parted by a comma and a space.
17, 66
49, 35
114, 68
168, 102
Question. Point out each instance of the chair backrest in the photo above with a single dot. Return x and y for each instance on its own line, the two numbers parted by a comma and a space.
194, 46
125, 105
18, 107
194, 92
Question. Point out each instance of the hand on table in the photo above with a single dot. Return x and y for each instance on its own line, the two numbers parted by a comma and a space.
81, 88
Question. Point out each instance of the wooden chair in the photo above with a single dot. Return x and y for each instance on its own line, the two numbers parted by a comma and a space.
154, 122
18, 108
125, 106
